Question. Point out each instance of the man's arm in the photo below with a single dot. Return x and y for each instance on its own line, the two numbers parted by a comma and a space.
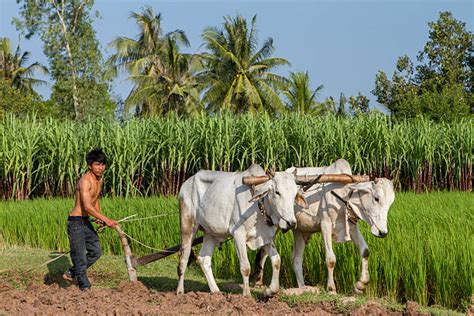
93, 210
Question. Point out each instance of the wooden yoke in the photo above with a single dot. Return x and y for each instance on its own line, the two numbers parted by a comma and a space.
324, 178
311, 179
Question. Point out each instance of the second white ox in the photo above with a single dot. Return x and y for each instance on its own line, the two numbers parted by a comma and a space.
334, 210
220, 205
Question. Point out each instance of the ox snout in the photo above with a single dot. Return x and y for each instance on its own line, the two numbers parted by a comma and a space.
285, 225
378, 232
292, 224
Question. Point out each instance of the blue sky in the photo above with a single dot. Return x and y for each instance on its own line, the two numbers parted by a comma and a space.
342, 44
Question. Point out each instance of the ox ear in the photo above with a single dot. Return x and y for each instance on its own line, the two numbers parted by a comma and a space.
301, 200
258, 195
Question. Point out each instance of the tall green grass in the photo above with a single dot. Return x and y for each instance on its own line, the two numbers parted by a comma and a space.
154, 156
427, 255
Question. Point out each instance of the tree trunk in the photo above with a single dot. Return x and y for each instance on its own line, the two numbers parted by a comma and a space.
60, 14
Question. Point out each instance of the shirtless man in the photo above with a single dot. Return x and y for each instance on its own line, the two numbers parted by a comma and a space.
83, 239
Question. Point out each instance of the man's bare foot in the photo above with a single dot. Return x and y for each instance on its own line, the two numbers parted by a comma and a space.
67, 276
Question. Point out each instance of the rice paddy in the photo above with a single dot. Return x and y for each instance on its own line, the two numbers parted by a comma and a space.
427, 256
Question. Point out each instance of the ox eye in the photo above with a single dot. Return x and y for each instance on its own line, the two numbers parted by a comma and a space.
376, 199
277, 193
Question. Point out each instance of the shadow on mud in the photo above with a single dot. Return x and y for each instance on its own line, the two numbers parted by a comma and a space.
165, 284
56, 270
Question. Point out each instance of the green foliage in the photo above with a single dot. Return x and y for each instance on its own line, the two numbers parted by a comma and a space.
441, 85
359, 104
65, 27
426, 257
15, 72
447, 56
163, 77
237, 74
301, 98
14, 102
155, 156
92, 93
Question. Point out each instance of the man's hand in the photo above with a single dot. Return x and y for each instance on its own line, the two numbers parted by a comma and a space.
111, 223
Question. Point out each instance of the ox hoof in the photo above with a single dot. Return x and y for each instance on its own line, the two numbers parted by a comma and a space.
358, 291
246, 293
332, 291
180, 290
269, 292
359, 287
259, 285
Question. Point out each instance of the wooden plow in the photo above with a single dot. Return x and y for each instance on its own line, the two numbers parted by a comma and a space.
133, 262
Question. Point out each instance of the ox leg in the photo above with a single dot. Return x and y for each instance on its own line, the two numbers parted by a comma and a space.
298, 250
358, 239
326, 230
260, 259
205, 261
184, 254
240, 246
262, 255
187, 233
276, 263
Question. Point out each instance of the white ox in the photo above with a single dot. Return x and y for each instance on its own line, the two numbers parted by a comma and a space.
220, 205
328, 213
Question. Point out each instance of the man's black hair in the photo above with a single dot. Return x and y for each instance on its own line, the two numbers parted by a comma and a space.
96, 155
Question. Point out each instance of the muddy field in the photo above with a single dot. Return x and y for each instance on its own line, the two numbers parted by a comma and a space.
135, 298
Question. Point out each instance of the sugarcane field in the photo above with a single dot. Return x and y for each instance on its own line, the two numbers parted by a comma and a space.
172, 158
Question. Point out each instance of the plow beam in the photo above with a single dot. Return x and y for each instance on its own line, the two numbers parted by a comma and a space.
136, 262
132, 273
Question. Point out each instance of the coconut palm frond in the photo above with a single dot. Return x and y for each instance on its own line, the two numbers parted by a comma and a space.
14, 70
234, 66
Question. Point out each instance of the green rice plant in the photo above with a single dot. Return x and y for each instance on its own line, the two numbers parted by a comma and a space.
42, 223
426, 257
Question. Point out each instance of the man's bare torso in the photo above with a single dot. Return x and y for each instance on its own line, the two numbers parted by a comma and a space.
94, 191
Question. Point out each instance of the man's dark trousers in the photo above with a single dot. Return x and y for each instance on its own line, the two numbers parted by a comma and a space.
85, 248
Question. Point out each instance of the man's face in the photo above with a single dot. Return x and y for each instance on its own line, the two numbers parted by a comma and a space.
97, 168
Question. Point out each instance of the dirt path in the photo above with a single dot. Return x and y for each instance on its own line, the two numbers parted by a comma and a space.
136, 299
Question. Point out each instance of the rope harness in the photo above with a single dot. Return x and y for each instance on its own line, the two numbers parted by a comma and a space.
261, 207
268, 219
350, 214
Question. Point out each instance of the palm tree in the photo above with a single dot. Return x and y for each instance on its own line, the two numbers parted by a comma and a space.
300, 97
236, 74
162, 75
13, 68
174, 88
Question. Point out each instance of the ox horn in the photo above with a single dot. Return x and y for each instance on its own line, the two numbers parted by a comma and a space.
255, 180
